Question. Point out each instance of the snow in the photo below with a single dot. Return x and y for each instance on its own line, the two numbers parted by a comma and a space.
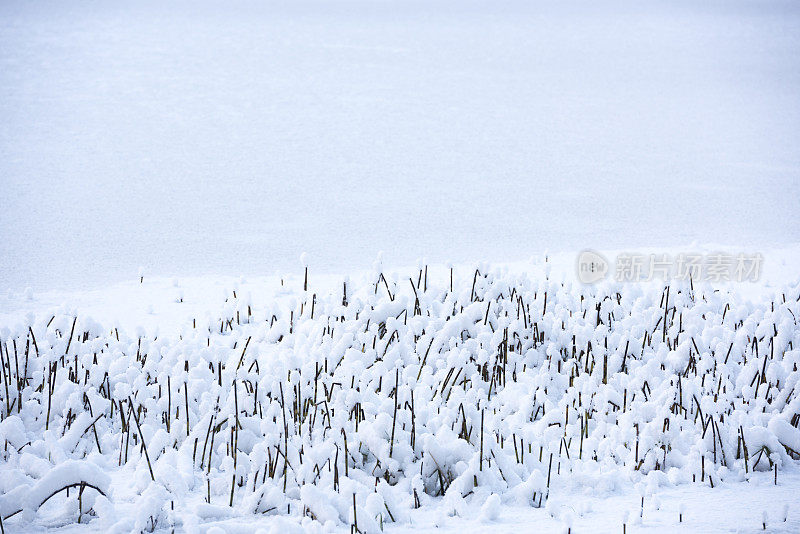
198, 320
412, 406
491, 507
210, 138
69, 472
12, 431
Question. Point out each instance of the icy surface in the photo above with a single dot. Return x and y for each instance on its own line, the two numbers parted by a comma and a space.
198, 138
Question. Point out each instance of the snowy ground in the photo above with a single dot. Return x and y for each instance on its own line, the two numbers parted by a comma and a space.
734, 508
167, 304
212, 143
202, 138
514, 354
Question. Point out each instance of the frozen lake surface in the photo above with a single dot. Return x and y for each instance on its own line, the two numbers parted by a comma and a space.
208, 138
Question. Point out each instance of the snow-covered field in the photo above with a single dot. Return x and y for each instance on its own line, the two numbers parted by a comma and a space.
202, 138
486, 399
222, 390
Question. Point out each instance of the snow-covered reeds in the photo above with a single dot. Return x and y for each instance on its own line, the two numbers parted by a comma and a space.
407, 389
